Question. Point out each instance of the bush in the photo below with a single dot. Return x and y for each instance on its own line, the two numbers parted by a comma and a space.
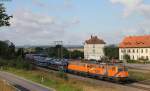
131, 61
18, 63
63, 75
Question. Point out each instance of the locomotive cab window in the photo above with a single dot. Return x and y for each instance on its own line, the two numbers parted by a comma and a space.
125, 69
120, 69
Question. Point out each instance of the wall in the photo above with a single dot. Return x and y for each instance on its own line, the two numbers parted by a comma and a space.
134, 53
93, 51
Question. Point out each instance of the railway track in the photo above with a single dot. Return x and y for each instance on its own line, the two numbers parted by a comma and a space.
142, 86
146, 82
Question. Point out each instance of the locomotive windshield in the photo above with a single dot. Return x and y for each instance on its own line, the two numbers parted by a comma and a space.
122, 69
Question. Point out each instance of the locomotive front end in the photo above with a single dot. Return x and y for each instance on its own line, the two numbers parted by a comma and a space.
122, 74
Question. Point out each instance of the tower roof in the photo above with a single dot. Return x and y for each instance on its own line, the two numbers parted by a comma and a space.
94, 40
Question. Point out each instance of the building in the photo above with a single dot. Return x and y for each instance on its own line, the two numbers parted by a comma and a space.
137, 47
94, 48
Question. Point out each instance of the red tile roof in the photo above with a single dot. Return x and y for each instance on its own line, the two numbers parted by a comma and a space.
135, 41
94, 40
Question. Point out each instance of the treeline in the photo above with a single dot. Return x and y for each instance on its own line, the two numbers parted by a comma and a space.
10, 57
59, 51
8, 50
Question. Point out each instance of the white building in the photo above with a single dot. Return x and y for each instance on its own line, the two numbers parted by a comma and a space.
136, 47
94, 48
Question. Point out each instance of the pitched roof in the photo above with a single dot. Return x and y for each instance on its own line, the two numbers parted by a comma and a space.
94, 40
135, 41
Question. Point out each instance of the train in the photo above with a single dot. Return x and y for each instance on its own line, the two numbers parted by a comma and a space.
110, 71
117, 72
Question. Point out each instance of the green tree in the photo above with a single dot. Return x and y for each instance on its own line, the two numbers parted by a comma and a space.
4, 17
127, 58
7, 49
111, 51
77, 54
58, 51
144, 60
3, 48
39, 49
11, 50
65, 53
20, 52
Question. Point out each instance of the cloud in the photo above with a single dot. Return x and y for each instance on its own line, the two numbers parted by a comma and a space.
66, 5
133, 6
31, 28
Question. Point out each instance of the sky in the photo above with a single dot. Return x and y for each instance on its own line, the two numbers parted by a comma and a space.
41, 22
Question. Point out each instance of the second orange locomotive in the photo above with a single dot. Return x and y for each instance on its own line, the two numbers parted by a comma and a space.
103, 70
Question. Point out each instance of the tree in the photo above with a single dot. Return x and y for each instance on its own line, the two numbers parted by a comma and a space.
3, 48
7, 49
20, 52
144, 60
77, 54
58, 51
11, 50
111, 51
4, 18
126, 57
39, 49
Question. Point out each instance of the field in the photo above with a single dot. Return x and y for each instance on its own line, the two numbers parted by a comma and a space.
60, 82
139, 75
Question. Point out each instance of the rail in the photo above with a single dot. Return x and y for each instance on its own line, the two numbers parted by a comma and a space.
5, 86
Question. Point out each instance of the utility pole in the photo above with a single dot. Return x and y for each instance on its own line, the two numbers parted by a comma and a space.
60, 50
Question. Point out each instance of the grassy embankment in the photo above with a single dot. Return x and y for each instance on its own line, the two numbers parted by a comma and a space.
53, 80
139, 75
57, 81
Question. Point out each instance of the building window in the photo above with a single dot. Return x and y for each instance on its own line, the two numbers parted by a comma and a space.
93, 46
121, 56
133, 57
133, 51
146, 50
137, 50
141, 50
147, 57
93, 51
128, 50
124, 50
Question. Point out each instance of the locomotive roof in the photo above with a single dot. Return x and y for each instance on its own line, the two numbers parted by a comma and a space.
86, 62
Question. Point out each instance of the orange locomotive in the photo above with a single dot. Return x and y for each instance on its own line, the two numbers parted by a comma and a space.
110, 71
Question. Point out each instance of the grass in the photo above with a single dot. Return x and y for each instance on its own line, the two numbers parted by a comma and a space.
53, 80
139, 76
